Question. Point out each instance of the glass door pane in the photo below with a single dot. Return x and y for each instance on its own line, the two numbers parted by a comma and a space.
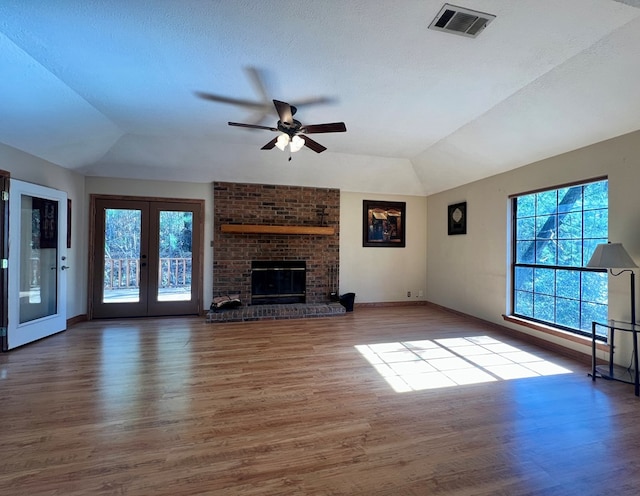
39, 256
174, 255
122, 233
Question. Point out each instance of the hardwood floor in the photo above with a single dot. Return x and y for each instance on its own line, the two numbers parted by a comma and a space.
183, 407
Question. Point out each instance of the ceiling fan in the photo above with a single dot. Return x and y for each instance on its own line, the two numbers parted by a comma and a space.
291, 129
262, 107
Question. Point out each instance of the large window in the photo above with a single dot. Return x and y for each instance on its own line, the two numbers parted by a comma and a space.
554, 235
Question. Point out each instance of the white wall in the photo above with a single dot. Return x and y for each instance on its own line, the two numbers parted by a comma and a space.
468, 273
32, 169
163, 189
382, 274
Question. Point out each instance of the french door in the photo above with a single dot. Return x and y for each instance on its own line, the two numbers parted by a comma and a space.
37, 263
145, 257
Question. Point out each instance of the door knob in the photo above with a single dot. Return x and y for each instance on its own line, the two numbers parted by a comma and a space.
65, 267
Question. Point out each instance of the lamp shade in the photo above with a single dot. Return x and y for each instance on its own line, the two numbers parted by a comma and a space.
611, 256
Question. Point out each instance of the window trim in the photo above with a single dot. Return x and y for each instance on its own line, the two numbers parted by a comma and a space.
558, 186
556, 332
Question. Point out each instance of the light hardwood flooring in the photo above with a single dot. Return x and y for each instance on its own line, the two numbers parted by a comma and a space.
299, 407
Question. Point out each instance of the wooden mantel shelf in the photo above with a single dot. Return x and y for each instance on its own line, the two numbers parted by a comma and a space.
263, 229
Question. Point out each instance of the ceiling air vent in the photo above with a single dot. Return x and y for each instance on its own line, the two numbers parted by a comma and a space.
458, 20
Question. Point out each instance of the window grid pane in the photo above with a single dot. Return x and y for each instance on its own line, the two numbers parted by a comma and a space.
555, 234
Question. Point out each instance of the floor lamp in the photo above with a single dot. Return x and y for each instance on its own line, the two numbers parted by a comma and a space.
614, 256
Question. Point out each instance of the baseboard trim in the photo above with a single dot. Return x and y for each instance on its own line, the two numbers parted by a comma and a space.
76, 320
390, 304
579, 356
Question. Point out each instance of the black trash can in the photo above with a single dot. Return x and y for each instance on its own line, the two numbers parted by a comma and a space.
346, 300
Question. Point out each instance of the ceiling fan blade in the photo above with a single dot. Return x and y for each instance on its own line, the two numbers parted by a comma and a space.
256, 78
231, 101
270, 145
314, 145
284, 112
332, 127
252, 126
313, 101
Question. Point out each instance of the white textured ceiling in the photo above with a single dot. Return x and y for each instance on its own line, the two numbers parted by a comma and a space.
107, 88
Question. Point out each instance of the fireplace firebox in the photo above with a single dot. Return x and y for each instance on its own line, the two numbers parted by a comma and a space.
278, 282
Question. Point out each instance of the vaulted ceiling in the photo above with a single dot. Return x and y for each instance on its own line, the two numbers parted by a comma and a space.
110, 88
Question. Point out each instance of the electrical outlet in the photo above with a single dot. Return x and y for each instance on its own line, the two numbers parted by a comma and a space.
408, 294
421, 294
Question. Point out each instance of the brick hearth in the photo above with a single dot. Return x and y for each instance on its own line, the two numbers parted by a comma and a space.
273, 312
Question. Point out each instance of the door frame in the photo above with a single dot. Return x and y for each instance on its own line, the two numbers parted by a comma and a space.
198, 231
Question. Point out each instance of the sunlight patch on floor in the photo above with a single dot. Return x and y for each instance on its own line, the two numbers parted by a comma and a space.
437, 363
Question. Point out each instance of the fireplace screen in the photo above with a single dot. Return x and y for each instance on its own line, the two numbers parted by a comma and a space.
278, 282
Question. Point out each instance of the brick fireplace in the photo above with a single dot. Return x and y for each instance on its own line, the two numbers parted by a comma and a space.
269, 223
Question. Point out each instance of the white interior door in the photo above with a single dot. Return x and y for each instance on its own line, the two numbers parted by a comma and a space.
37, 262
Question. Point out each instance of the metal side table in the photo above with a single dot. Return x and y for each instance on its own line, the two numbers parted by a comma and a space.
616, 372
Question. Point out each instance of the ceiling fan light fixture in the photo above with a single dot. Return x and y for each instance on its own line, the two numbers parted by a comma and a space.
297, 142
282, 141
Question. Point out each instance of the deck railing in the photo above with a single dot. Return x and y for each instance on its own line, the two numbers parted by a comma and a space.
120, 273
